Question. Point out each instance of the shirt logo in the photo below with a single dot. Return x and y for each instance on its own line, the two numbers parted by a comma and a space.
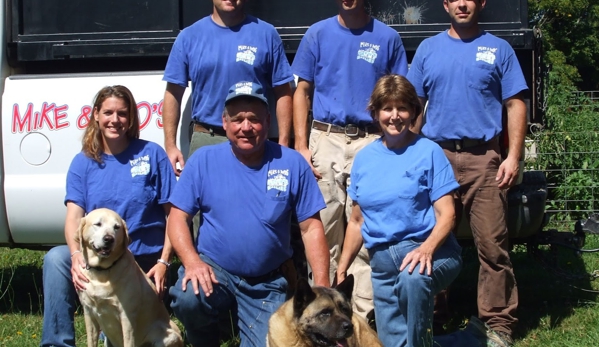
246, 54
368, 52
486, 54
140, 166
278, 179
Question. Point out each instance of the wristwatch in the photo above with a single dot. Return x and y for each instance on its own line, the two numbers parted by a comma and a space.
162, 261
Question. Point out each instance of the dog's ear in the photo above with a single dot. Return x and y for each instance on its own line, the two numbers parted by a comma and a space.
79, 233
347, 286
304, 295
126, 230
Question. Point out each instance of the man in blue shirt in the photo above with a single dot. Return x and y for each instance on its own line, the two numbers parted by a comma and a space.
213, 53
247, 190
338, 63
468, 76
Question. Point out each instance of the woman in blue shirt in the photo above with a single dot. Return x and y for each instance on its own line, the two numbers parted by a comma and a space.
116, 170
403, 211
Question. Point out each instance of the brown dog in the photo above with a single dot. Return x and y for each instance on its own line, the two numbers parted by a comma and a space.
119, 299
319, 317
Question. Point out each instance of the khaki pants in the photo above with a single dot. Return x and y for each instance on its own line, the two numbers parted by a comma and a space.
485, 206
333, 155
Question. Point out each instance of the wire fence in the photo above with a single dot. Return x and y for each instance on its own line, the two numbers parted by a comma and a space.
570, 161
590, 98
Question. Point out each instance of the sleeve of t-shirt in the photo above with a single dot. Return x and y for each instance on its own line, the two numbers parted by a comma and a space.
513, 81
304, 62
443, 179
177, 68
76, 181
281, 71
399, 61
166, 179
186, 194
415, 73
308, 199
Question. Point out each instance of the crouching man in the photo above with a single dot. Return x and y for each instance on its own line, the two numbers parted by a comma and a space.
247, 190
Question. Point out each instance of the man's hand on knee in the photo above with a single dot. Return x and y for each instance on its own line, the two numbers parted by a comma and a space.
199, 274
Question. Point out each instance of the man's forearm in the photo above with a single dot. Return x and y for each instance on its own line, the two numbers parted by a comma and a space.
171, 110
180, 239
317, 250
170, 123
516, 126
284, 111
301, 106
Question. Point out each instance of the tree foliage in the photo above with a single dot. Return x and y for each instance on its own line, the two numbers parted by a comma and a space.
570, 30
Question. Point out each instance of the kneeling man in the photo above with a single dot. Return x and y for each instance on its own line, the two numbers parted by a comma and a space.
247, 190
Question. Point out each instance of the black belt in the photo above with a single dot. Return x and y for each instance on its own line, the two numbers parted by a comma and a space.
460, 145
263, 278
208, 129
349, 130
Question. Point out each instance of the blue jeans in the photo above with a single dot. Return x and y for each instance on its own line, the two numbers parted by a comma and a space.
60, 297
403, 302
254, 303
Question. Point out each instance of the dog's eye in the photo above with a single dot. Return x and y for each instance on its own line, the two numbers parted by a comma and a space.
117, 227
325, 313
98, 224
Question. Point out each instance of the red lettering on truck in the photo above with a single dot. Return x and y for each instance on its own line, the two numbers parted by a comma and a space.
18, 122
59, 115
159, 114
44, 116
56, 117
144, 117
83, 119
51, 116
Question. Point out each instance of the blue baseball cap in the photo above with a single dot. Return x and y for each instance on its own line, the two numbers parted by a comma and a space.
250, 89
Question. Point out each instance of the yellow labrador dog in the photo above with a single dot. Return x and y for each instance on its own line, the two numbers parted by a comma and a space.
119, 299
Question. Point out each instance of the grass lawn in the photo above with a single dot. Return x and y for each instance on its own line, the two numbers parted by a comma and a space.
557, 307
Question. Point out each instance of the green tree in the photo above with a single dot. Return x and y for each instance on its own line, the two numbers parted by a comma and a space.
570, 30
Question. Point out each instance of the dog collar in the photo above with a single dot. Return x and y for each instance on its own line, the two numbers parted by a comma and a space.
99, 268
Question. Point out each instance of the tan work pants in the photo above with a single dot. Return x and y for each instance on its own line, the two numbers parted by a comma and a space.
333, 155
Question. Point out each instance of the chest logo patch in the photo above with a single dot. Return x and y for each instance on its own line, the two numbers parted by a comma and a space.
246, 54
486, 54
368, 52
140, 166
278, 179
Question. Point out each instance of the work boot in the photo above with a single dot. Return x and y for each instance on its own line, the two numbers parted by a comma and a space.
487, 336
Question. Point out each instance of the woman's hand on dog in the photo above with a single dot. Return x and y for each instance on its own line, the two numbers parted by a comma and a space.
158, 274
77, 266
199, 274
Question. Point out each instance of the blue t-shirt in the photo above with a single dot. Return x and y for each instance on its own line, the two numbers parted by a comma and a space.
246, 212
344, 66
134, 183
465, 83
214, 58
396, 188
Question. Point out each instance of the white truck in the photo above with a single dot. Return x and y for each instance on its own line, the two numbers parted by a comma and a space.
56, 54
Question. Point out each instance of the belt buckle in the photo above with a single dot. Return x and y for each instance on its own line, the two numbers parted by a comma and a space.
459, 144
352, 127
